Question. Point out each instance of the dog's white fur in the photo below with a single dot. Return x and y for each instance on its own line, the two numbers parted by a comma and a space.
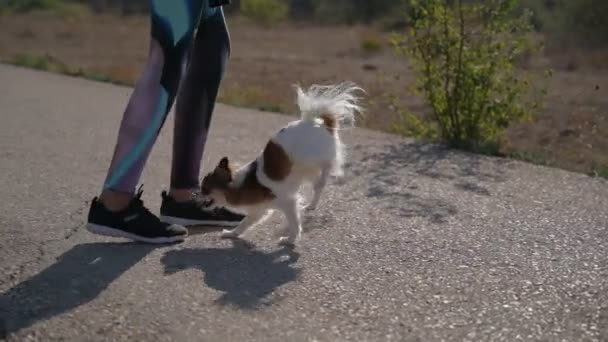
314, 151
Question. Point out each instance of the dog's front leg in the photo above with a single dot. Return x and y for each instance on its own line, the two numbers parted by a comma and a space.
294, 224
251, 219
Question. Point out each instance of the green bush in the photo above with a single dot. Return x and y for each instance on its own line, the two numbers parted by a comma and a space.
62, 8
31, 5
580, 23
587, 20
265, 12
465, 57
372, 45
354, 11
44, 62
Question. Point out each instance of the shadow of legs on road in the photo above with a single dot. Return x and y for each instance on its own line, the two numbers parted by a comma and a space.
436, 161
245, 276
78, 276
392, 174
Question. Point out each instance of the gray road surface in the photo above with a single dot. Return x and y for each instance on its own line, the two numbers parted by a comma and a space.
417, 243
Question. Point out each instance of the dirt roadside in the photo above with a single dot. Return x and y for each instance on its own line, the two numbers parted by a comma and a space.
265, 63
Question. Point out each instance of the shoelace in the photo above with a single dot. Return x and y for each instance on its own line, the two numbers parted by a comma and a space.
206, 203
139, 207
200, 201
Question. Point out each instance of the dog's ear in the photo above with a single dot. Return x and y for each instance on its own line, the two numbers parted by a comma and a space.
223, 171
224, 164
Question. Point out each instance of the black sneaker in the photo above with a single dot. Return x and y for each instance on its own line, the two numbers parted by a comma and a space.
135, 222
196, 212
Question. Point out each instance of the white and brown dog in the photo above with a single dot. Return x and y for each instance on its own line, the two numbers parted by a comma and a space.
305, 150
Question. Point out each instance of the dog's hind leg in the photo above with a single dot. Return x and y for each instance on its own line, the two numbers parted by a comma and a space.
318, 187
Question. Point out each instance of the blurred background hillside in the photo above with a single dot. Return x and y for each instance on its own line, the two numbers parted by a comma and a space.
277, 43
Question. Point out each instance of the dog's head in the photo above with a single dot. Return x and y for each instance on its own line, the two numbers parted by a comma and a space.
216, 182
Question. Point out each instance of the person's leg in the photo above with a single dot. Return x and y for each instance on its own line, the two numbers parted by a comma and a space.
193, 113
196, 100
173, 23
118, 212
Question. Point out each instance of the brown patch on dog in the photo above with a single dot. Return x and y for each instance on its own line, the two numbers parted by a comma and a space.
250, 191
330, 123
276, 162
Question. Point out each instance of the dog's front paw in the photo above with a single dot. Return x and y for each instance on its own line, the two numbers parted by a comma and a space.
311, 207
229, 234
287, 241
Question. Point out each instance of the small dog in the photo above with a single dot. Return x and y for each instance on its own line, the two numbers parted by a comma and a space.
305, 150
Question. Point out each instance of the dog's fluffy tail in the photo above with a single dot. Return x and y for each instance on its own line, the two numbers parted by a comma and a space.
335, 104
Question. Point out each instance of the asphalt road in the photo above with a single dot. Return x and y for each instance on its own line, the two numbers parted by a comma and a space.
417, 243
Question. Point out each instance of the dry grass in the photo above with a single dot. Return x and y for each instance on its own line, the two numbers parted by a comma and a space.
265, 63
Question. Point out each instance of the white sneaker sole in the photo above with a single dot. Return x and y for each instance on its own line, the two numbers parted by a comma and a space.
187, 222
107, 231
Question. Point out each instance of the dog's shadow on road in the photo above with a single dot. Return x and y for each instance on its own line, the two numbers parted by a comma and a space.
245, 276
77, 277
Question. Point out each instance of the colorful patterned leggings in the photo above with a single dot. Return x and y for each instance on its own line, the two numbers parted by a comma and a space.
175, 50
